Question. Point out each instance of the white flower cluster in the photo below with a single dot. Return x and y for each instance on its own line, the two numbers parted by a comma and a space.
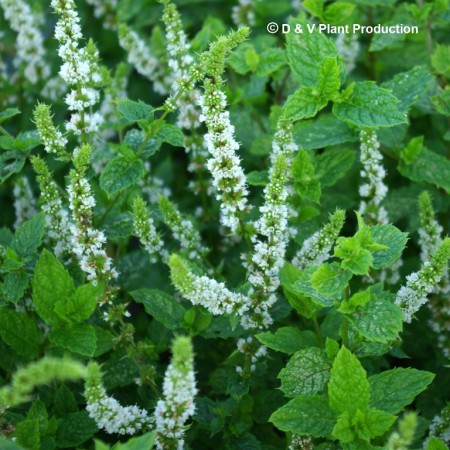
252, 351
296, 5
205, 291
145, 230
373, 191
151, 186
183, 230
142, 59
107, 412
243, 13
301, 443
317, 248
54, 89
29, 43
88, 243
225, 168
105, 10
440, 426
419, 284
269, 247
348, 48
80, 69
179, 391
24, 201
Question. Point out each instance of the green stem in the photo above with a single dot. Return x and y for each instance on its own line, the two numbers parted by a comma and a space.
3, 131
317, 330
344, 331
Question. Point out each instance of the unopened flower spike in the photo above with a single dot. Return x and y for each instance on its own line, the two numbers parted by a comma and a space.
269, 247
80, 69
88, 242
24, 201
107, 412
404, 437
183, 230
179, 391
317, 248
29, 43
145, 230
51, 137
205, 291
56, 217
373, 190
224, 165
420, 284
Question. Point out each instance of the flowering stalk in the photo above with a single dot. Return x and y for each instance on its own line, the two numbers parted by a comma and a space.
145, 230
269, 247
404, 437
51, 137
440, 426
373, 191
29, 42
244, 13
87, 241
301, 443
348, 48
317, 248
24, 201
228, 176
106, 411
179, 390
205, 291
419, 284
182, 229
80, 69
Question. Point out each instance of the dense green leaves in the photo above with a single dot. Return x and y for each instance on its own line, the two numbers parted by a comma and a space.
121, 173
287, 339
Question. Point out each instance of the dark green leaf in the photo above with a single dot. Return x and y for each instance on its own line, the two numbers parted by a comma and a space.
287, 339
79, 338
121, 173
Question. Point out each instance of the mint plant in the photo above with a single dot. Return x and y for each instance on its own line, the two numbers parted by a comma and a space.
224, 230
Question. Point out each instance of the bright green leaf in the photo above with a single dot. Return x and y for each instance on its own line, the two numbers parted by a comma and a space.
79, 338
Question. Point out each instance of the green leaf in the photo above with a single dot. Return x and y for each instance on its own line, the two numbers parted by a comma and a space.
343, 430
80, 305
6, 444
51, 283
75, 429
304, 103
135, 138
391, 237
324, 131
409, 86
330, 279
378, 422
355, 258
380, 320
27, 434
287, 339
29, 236
365, 104
394, 389
361, 298
11, 162
306, 373
121, 173
20, 332
8, 113
306, 182
14, 286
170, 134
338, 13
257, 178
348, 389
440, 60
80, 338
271, 59
436, 444
328, 81
332, 165
162, 306
145, 441
305, 415
133, 111
307, 51
428, 167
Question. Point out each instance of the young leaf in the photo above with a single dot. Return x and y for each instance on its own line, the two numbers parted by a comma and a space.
134, 111
306, 373
393, 239
287, 339
378, 422
306, 182
348, 389
29, 236
304, 103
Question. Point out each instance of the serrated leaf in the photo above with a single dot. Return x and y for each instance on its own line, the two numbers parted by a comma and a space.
137, 443
305, 415
14, 286
409, 86
348, 389
287, 339
8, 113
380, 320
20, 332
75, 429
369, 106
135, 138
133, 111
330, 279
436, 444
343, 430
11, 162
306, 182
440, 60
121, 173
162, 306
271, 60
29, 236
306, 373
378, 422
51, 283
79, 338
304, 103
328, 79
332, 165
170, 134
394, 389
306, 53
27, 434
391, 237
